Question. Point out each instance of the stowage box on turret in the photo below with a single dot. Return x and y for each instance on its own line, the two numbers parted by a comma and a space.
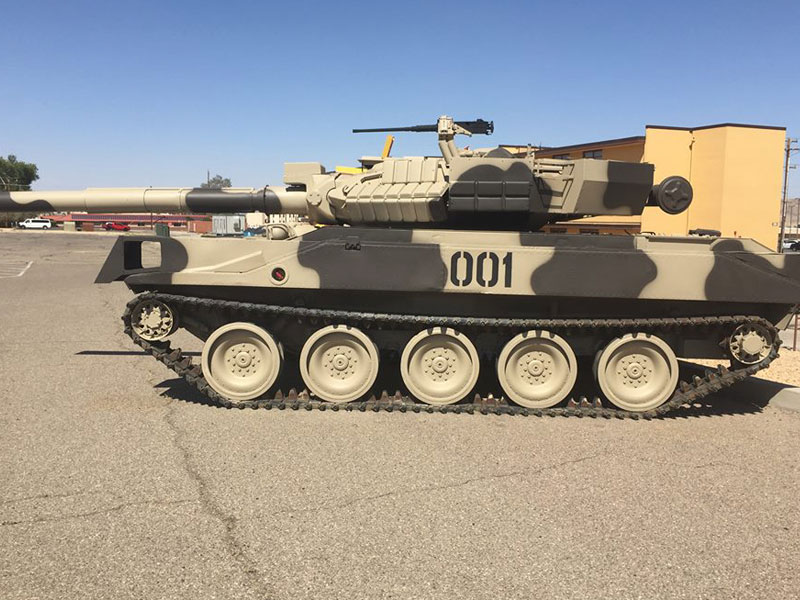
430, 272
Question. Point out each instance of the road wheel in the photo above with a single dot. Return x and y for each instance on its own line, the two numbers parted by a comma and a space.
241, 361
440, 366
339, 363
537, 369
637, 372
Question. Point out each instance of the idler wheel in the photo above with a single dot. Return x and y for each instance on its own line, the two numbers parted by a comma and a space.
339, 363
153, 320
537, 369
750, 343
241, 361
440, 366
637, 372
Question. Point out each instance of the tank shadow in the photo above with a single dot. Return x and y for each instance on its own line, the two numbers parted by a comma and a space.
178, 389
718, 405
111, 353
122, 353
748, 397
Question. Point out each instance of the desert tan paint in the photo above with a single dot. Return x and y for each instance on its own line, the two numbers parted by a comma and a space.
230, 261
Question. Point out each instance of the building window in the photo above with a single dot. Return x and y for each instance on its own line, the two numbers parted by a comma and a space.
561, 156
593, 154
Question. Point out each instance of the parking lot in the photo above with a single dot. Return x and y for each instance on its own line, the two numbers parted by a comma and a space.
117, 483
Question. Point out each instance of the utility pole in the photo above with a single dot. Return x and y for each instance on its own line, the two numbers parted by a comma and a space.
786, 166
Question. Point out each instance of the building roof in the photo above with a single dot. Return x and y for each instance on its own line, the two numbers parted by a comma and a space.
750, 125
636, 138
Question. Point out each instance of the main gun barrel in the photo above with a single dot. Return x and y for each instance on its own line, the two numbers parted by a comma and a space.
271, 200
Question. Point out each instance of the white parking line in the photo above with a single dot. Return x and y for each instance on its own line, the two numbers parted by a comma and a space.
14, 269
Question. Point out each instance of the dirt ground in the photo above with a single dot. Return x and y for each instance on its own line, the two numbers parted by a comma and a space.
785, 369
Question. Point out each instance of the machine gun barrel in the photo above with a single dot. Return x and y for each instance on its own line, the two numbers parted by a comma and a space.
414, 128
271, 200
479, 127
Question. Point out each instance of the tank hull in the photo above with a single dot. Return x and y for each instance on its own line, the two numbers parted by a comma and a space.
493, 275
480, 273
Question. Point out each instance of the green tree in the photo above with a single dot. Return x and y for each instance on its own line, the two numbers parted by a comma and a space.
17, 175
217, 182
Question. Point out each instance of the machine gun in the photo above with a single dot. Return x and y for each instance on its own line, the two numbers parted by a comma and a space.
478, 127
447, 129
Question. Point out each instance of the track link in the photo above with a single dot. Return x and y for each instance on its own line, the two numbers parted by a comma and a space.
686, 393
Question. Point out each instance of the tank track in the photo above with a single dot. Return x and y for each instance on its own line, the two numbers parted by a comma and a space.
686, 393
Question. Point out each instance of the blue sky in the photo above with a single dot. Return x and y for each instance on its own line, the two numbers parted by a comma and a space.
155, 93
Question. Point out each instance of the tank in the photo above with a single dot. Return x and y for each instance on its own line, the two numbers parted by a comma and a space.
430, 275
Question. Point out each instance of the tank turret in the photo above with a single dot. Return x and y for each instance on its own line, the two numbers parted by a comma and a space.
471, 189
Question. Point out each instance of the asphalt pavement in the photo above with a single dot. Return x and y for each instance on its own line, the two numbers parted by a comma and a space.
115, 482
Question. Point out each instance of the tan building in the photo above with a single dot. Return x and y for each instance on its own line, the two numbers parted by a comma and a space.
735, 170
